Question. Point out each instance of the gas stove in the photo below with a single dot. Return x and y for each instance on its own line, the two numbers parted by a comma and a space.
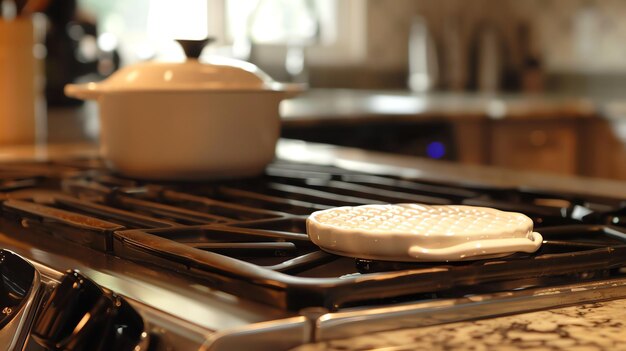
227, 265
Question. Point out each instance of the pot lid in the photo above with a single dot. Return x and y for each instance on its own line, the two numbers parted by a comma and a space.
213, 74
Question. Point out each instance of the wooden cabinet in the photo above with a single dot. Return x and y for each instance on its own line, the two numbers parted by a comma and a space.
592, 147
546, 145
541, 145
603, 149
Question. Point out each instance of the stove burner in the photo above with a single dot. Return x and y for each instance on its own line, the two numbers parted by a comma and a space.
248, 237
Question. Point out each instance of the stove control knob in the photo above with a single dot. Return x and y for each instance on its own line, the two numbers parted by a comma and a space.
80, 316
20, 288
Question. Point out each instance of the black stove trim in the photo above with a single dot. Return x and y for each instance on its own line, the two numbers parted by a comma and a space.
294, 292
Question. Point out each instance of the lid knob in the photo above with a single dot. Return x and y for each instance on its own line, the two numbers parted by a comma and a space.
193, 48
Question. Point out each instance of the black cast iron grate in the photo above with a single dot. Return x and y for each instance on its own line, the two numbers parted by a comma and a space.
248, 237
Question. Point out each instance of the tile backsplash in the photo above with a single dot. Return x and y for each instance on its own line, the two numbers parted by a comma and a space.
571, 36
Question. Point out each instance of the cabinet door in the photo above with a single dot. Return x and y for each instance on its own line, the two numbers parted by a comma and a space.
535, 145
604, 147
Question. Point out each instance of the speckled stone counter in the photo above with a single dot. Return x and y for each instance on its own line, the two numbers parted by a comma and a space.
597, 326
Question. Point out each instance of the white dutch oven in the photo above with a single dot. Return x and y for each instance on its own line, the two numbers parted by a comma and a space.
188, 121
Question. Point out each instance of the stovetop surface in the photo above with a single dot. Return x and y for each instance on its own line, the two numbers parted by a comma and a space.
247, 237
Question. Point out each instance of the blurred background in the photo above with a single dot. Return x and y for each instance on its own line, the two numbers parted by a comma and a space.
364, 44
534, 84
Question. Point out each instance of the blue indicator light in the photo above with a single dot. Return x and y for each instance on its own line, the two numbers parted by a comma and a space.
436, 150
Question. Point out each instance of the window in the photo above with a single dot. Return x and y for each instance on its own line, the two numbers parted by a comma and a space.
333, 31
280, 21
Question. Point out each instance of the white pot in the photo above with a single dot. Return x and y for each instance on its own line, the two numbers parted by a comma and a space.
188, 121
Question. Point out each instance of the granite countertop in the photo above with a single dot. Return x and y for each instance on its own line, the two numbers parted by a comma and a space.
332, 105
595, 326
321, 106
